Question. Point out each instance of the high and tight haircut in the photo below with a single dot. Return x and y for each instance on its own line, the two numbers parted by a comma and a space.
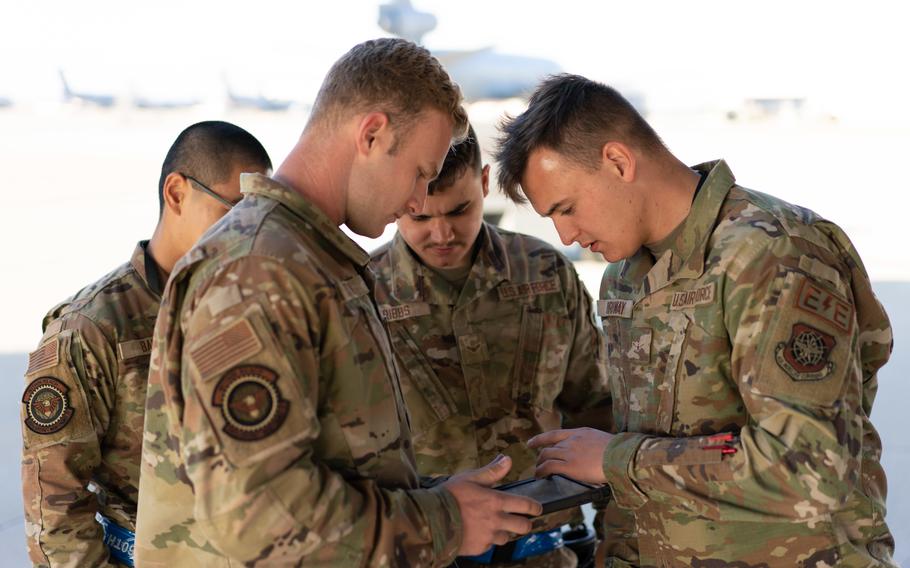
210, 151
575, 117
393, 76
462, 157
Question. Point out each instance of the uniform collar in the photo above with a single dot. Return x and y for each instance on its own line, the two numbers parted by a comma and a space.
684, 256
258, 184
414, 282
147, 269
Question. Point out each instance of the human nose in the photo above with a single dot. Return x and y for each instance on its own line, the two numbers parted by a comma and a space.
441, 230
568, 232
418, 198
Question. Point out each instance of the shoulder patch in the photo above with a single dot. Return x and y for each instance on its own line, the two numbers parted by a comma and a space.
403, 311
228, 347
250, 402
131, 349
806, 356
47, 405
815, 300
48, 355
527, 289
614, 308
690, 298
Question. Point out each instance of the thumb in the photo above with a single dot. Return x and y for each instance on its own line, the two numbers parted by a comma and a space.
494, 471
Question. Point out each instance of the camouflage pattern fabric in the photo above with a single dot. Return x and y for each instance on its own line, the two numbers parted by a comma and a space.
82, 413
742, 353
512, 353
275, 429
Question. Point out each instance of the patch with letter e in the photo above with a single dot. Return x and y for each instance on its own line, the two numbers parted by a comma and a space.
806, 355
815, 300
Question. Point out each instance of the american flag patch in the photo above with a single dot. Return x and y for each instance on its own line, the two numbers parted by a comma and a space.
45, 356
227, 348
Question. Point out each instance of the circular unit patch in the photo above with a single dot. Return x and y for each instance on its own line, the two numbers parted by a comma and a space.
250, 402
806, 355
47, 405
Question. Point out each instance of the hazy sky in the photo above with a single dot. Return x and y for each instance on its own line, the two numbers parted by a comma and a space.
849, 57
80, 184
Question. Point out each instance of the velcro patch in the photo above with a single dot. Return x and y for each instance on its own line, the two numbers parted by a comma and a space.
228, 347
526, 289
250, 402
815, 300
353, 287
473, 348
806, 356
136, 348
403, 311
48, 355
691, 298
614, 308
47, 405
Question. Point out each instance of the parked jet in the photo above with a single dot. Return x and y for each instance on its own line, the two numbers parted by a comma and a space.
259, 101
98, 99
482, 73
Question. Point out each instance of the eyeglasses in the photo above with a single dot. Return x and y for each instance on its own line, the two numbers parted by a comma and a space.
207, 190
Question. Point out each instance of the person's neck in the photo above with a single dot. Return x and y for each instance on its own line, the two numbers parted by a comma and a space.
316, 170
165, 252
671, 188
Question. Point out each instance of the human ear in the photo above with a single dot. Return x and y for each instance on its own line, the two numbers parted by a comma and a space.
175, 190
618, 159
485, 179
373, 129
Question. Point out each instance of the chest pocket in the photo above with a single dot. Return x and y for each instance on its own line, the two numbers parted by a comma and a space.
642, 364
542, 354
427, 400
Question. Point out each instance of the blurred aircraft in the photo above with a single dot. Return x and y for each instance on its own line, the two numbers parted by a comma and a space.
145, 101
5, 102
98, 99
481, 73
258, 101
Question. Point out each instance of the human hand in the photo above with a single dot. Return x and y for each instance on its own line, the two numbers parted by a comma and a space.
576, 453
489, 517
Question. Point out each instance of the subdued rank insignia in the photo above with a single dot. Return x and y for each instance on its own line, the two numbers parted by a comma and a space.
806, 355
250, 402
47, 405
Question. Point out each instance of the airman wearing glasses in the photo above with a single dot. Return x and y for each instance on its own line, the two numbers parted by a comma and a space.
84, 399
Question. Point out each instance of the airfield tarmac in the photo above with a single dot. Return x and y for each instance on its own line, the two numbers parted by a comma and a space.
80, 188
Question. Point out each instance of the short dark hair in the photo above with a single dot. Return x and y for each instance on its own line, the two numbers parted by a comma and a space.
210, 151
390, 75
462, 157
574, 116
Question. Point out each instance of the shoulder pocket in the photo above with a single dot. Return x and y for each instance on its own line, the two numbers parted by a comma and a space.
806, 343
54, 404
248, 389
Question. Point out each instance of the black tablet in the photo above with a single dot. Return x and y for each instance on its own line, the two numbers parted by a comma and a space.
556, 492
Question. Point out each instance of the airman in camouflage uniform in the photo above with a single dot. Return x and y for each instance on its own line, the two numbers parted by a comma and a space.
84, 400
743, 345
489, 359
275, 429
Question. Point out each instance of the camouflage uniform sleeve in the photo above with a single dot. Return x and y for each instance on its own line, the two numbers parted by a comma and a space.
585, 398
65, 410
794, 358
273, 478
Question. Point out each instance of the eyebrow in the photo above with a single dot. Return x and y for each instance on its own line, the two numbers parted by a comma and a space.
554, 207
461, 206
